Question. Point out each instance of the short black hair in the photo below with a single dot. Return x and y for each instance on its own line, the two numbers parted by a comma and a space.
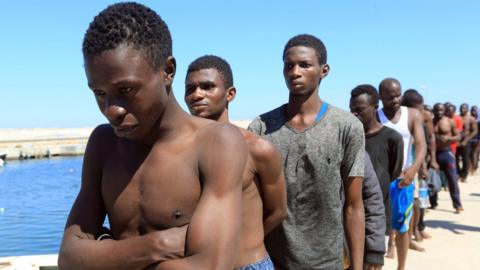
365, 89
215, 62
435, 107
311, 42
412, 98
129, 24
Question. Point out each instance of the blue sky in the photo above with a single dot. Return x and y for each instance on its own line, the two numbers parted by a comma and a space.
431, 46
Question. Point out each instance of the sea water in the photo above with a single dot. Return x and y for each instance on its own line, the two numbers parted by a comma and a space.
35, 199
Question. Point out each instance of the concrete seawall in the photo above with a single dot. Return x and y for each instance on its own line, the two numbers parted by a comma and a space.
43, 142
25, 143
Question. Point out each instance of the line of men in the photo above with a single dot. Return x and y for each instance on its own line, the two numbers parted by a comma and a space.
306, 187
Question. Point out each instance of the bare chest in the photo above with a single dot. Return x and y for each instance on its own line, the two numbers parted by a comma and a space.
143, 195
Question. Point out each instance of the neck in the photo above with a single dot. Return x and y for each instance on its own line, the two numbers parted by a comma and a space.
390, 113
223, 118
303, 105
167, 125
372, 126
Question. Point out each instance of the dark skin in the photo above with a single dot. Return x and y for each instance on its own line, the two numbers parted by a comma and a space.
362, 107
264, 191
303, 74
470, 128
391, 99
475, 146
152, 176
444, 127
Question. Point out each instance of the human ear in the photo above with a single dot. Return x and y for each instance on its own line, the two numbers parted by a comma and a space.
170, 67
231, 93
325, 70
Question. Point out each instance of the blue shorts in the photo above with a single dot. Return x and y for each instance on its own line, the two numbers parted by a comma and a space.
265, 264
401, 202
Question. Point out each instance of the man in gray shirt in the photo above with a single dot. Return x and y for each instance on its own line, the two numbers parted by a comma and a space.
323, 152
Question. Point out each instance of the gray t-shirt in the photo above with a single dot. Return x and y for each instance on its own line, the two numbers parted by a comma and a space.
315, 162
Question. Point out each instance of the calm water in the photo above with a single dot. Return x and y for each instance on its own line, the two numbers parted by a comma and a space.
35, 198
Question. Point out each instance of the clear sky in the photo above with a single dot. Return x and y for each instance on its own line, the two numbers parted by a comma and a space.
431, 46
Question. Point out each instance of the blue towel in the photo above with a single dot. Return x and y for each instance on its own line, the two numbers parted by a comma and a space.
401, 201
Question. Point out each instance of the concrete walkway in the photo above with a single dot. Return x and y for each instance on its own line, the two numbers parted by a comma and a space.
455, 242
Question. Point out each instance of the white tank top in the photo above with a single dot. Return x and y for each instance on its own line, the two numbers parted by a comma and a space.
401, 127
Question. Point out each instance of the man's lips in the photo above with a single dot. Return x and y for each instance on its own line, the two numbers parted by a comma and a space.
199, 105
124, 128
295, 84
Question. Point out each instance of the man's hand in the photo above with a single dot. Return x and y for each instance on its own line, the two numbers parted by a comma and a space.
170, 243
372, 266
443, 138
407, 176
434, 165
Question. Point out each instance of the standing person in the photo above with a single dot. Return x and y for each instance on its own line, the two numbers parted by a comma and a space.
408, 122
209, 90
383, 144
154, 170
412, 99
323, 152
450, 111
446, 133
465, 146
475, 141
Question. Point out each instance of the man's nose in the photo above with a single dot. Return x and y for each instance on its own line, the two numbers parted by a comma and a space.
114, 112
198, 94
295, 71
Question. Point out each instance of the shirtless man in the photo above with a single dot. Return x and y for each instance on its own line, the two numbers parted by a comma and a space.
475, 141
208, 91
154, 168
465, 146
409, 123
446, 133
412, 99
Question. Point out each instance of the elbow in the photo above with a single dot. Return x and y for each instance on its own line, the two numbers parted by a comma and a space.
354, 209
63, 262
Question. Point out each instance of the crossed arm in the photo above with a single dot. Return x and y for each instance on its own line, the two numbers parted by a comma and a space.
214, 231
80, 250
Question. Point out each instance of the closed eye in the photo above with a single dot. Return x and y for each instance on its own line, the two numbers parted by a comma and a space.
98, 93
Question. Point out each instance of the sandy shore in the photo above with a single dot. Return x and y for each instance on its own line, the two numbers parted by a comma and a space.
455, 242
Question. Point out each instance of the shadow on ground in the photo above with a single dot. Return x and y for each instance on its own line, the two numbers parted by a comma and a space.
475, 194
451, 226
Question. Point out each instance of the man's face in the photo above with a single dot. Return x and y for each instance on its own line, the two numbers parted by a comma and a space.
301, 70
360, 106
439, 111
129, 92
474, 111
391, 97
205, 93
450, 111
464, 109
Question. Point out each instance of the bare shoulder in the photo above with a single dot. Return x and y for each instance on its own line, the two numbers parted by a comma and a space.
259, 148
215, 129
415, 114
101, 139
